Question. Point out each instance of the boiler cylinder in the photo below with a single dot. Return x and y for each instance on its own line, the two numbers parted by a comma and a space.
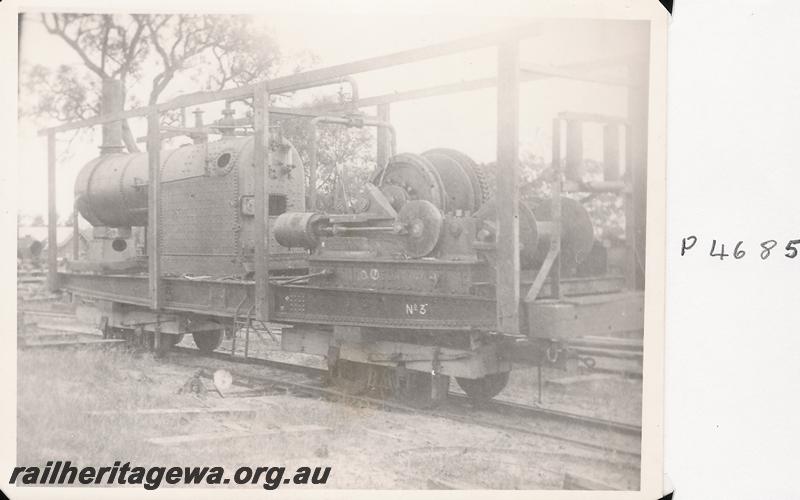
111, 190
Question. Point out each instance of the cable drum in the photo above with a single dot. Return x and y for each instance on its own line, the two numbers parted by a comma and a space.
528, 231
461, 182
577, 232
415, 175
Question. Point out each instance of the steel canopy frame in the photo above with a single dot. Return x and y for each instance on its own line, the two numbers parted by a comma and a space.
316, 77
507, 82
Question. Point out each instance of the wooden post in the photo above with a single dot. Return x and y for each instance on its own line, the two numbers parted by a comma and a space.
154, 208
637, 162
312, 166
159, 344
611, 160
507, 291
630, 217
555, 204
76, 234
52, 235
261, 162
384, 141
574, 159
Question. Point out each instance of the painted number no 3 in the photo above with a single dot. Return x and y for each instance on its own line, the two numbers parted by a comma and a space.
416, 309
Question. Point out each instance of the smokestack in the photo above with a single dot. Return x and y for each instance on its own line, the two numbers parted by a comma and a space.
112, 101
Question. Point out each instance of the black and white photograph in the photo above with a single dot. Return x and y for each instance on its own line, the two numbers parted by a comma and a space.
319, 251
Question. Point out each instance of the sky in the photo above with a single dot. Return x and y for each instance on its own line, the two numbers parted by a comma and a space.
464, 121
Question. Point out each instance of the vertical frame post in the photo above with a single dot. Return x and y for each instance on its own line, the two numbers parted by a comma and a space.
507, 279
384, 141
630, 217
261, 162
52, 236
76, 234
611, 159
154, 208
636, 139
574, 159
555, 203
312, 165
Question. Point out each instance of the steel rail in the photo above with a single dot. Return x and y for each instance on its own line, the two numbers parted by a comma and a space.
456, 402
502, 406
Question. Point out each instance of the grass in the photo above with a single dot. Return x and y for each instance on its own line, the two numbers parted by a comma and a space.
57, 389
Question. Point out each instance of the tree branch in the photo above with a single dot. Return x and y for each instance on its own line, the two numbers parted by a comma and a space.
73, 43
128, 139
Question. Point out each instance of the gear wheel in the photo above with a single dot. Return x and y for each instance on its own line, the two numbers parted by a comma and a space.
486, 180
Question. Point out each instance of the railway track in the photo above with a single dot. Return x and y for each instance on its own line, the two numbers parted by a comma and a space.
457, 399
47, 313
619, 440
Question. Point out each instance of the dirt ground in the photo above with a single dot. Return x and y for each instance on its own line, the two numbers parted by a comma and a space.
62, 394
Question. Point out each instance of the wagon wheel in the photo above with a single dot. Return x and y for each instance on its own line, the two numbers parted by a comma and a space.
172, 340
415, 388
484, 388
350, 377
208, 341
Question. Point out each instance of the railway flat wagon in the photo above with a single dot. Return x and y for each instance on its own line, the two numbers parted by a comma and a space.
441, 270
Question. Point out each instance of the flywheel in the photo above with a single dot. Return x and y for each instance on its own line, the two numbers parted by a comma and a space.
423, 223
